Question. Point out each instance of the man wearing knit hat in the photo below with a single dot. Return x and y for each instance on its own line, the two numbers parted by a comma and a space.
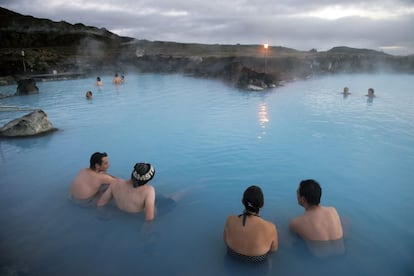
134, 195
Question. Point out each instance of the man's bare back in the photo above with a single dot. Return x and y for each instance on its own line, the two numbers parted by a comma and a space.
318, 224
88, 182
134, 195
130, 199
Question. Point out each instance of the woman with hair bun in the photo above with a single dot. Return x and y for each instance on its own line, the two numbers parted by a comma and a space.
248, 237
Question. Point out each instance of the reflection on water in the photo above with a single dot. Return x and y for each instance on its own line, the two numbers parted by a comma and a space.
263, 119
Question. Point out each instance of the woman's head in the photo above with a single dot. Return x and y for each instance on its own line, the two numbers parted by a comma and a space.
253, 199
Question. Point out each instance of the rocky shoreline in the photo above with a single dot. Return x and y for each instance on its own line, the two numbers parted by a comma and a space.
43, 49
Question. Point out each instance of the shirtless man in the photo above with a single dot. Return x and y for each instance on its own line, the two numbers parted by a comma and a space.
249, 237
370, 93
318, 223
89, 95
346, 91
134, 195
117, 79
98, 81
87, 183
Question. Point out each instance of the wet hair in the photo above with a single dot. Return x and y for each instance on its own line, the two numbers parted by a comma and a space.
253, 199
142, 173
311, 191
371, 90
96, 158
98, 79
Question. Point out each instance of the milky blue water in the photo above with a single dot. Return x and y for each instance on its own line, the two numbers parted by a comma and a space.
211, 141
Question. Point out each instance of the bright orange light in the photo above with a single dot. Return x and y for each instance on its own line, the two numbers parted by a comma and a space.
266, 45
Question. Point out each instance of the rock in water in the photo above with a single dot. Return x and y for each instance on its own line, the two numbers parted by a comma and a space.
34, 123
26, 87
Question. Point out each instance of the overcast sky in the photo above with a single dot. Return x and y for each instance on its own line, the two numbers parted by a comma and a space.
384, 25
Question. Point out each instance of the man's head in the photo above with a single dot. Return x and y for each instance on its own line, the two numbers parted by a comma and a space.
142, 173
309, 190
99, 161
253, 199
371, 92
89, 95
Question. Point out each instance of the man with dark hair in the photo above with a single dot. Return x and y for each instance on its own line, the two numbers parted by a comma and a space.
134, 195
88, 182
99, 161
318, 223
117, 79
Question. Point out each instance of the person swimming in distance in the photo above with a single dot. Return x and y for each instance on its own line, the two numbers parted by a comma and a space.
89, 95
117, 80
98, 82
248, 237
88, 182
134, 195
346, 91
370, 93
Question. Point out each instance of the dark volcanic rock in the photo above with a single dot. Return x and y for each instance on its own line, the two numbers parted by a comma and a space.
36, 46
250, 78
26, 87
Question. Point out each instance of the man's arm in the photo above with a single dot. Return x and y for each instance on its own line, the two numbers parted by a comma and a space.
299, 227
150, 204
293, 225
108, 179
105, 198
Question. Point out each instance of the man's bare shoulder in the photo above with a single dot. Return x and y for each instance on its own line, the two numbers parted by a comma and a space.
296, 222
85, 171
83, 174
149, 187
330, 209
145, 189
299, 218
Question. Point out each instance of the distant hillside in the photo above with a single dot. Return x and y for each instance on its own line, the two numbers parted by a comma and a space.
348, 50
22, 31
208, 50
62, 47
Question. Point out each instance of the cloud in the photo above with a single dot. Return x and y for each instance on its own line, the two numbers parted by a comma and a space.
299, 24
